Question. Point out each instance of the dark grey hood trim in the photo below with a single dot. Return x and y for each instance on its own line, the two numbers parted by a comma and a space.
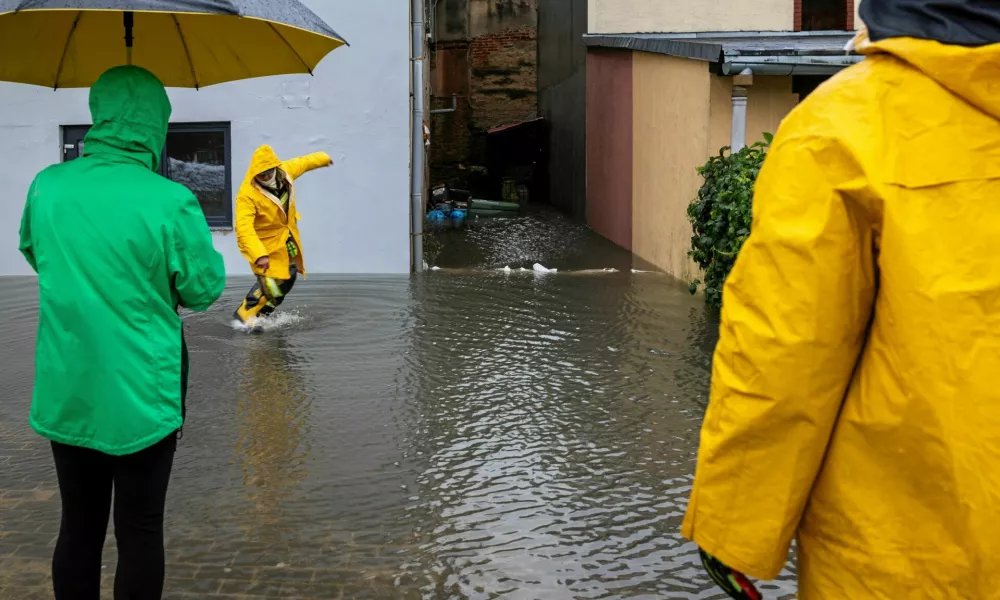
956, 22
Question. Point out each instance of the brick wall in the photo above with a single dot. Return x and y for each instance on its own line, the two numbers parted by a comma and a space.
450, 134
494, 75
503, 77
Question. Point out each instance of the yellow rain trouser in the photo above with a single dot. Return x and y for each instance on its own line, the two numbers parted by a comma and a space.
264, 297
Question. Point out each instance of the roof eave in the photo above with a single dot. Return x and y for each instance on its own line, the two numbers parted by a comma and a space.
733, 53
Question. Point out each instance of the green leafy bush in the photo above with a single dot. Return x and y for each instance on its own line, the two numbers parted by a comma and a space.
722, 213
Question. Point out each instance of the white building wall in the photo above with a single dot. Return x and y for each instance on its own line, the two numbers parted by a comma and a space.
355, 214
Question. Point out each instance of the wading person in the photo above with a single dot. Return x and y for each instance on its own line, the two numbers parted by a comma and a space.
117, 249
267, 229
855, 404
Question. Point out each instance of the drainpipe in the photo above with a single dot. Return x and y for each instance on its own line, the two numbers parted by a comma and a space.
738, 137
417, 143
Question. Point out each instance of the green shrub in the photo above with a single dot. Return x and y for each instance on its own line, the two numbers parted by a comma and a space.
722, 213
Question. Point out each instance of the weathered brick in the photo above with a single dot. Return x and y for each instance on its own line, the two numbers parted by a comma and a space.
494, 75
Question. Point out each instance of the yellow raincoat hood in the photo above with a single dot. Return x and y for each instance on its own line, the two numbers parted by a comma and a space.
264, 159
854, 403
972, 74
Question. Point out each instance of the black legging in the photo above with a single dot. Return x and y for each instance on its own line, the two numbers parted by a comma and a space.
86, 479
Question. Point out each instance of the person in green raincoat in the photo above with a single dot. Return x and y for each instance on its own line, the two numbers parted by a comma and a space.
117, 249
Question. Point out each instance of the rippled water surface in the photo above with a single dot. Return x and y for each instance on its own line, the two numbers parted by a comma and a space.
463, 434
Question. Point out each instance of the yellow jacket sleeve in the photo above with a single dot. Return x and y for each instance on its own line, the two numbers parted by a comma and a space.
298, 167
246, 236
795, 314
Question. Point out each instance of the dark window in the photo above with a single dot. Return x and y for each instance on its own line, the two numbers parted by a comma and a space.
824, 15
803, 85
197, 155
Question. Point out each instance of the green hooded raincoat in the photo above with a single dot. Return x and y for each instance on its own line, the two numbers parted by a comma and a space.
117, 249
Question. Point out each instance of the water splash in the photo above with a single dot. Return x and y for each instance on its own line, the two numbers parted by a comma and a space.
278, 320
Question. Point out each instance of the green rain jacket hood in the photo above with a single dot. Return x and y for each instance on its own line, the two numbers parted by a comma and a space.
131, 111
117, 249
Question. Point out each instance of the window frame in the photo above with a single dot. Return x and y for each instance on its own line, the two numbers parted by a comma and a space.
849, 10
223, 222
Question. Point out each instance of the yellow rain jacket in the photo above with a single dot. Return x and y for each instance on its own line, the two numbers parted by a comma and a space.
855, 396
262, 225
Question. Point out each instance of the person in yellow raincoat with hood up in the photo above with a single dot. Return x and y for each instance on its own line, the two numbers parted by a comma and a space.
267, 229
855, 402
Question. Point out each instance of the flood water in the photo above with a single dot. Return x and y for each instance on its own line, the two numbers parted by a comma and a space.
467, 433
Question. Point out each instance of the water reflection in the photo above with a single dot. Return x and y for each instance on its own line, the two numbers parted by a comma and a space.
510, 440
274, 432
558, 425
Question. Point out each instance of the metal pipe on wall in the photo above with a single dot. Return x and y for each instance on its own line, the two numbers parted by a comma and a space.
789, 65
443, 111
417, 143
738, 135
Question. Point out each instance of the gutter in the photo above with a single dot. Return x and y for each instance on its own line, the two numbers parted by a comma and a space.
788, 65
723, 50
417, 141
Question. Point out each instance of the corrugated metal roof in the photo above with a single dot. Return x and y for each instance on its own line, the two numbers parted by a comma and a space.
727, 47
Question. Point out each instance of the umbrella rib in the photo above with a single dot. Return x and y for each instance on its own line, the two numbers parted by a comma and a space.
62, 58
187, 52
290, 47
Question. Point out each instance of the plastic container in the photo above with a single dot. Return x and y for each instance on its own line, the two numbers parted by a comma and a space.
436, 217
479, 204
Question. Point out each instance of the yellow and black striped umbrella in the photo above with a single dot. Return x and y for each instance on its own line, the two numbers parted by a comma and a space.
186, 43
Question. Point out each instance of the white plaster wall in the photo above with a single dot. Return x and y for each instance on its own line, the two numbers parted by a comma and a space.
676, 16
355, 214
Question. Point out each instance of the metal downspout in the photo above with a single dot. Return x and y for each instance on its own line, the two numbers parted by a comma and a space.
738, 134
417, 143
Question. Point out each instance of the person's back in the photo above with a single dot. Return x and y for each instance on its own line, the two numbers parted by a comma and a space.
853, 397
117, 249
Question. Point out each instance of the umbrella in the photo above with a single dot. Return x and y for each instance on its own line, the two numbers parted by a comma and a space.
186, 43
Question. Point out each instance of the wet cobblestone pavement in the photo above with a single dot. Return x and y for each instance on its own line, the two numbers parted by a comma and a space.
466, 434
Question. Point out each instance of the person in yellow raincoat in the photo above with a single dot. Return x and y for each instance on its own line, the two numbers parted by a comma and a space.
267, 229
855, 402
